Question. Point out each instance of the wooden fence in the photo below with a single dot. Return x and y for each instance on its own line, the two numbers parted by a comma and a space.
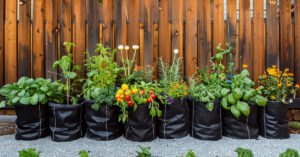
32, 32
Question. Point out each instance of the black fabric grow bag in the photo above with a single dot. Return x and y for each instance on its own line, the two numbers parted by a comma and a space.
242, 128
32, 122
140, 126
205, 124
273, 120
65, 121
174, 121
102, 124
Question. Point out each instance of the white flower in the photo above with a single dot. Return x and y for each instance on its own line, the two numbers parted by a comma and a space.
176, 51
120, 47
126, 47
135, 47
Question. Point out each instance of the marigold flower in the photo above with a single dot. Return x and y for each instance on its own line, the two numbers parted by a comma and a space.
148, 66
274, 66
297, 86
289, 84
286, 69
258, 88
245, 66
279, 84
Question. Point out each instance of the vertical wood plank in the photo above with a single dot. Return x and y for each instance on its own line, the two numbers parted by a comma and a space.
272, 55
38, 39
10, 41
155, 51
218, 27
121, 26
148, 33
107, 27
191, 37
142, 10
177, 28
65, 24
134, 28
245, 35
164, 41
258, 40
51, 38
142, 44
24, 44
204, 33
286, 36
79, 33
92, 12
232, 30
297, 42
1, 42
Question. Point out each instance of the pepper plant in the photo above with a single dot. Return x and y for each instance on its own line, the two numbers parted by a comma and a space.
66, 64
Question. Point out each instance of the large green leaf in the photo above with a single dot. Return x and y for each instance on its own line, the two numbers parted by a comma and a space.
224, 91
243, 107
34, 99
231, 99
25, 100
260, 100
248, 94
225, 103
2, 104
235, 111
22, 93
237, 93
15, 100
209, 106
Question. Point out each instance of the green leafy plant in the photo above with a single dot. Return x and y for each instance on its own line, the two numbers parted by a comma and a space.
28, 91
101, 77
190, 154
244, 152
83, 153
289, 153
294, 125
68, 70
30, 152
145, 152
278, 85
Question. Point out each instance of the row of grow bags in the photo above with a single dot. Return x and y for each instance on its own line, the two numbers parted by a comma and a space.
183, 117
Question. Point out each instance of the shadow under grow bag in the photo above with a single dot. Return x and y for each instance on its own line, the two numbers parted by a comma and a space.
174, 120
273, 120
32, 121
205, 124
65, 121
242, 128
103, 124
140, 125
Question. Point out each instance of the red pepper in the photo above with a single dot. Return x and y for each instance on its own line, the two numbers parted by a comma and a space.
153, 96
127, 97
132, 93
149, 100
130, 103
142, 92
151, 92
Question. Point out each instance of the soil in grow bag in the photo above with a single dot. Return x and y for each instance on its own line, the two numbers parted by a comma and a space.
205, 124
65, 122
242, 128
273, 120
140, 126
32, 122
174, 121
102, 124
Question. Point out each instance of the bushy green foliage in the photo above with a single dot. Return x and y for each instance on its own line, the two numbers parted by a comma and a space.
289, 153
83, 153
294, 125
244, 152
145, 152
30, 152
190, 154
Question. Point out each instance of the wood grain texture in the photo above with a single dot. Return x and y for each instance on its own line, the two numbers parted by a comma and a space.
134, 28
93, 36
259, 55
1, 42
51, 53
10, 55
286, 36
232, 30
205, 34
272, 53
218, 27
142, 47
148, 33
297, 42
38, 40
24, 35
107, 27
245, 35
79, 34
65, 12
155, 51
177, 28
164, 41
191, 37
121, 27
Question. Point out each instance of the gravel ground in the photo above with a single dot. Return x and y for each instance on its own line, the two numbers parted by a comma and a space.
160, 147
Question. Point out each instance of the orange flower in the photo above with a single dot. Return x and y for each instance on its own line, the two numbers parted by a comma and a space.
279, 84
148, 66
286, 69
297, 86
258, 88
289, 84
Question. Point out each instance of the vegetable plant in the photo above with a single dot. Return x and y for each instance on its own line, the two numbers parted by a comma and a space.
30, 152
289, 153
278, 85
83, 153
190, 154
132, 96
28, 91
101, 77
145, 152
66, 64
244, 152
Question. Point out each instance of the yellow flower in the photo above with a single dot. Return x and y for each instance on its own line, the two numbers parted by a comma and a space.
245, 66
135, 90
291, 74
273, 97
279, 84
148, 66
120, 92
124, 87
265, 76
297, 86
272, 72
289, 84
186, 93
274, 66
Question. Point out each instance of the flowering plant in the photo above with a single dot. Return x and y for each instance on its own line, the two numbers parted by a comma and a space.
132, 96
171, 85
278, 85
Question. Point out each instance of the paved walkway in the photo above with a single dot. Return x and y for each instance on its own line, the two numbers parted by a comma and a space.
163, 148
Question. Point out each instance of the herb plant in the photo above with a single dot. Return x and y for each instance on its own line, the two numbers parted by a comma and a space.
278, 85
190, 154
294, 125
289, 153
244, 152
101, 77
145, 152
30, 152
68, 70
83, 153
28, 91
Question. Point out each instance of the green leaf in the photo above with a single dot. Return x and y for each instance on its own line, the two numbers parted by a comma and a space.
34, 99
44, 88
248, 94
235, 111
237, 94
209, 106
260, 100
205, 99
22, 80
224, 103
42, 97
2, 104
245, 73
152, 112
15, 100
224, 91
243, 107
231, 99
22, 93
158, 112
25, 100
71, 75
